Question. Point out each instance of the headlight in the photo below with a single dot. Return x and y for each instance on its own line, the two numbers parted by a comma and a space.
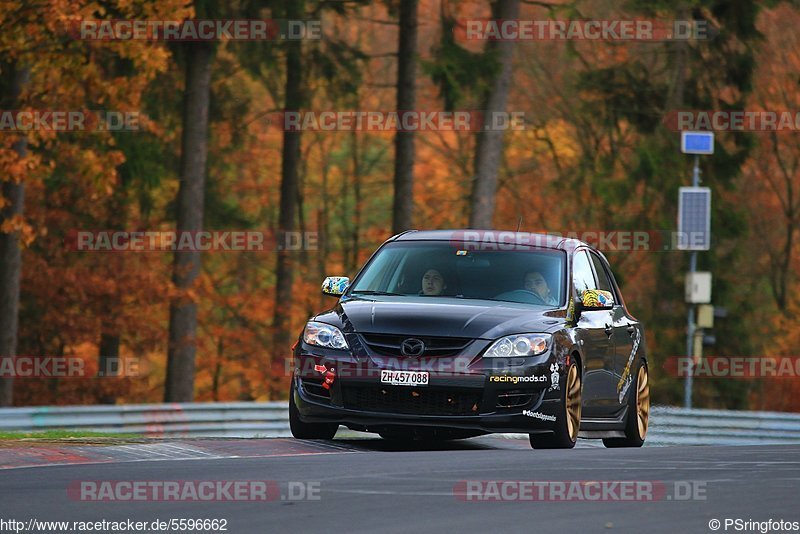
324, 335
518, 345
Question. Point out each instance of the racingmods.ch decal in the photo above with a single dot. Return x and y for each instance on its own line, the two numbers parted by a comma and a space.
517, 379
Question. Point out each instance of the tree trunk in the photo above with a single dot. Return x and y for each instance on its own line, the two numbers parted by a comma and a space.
186, 266
680, 52
356, 199
403, 206
281, 320
322, 228
108, 362
489, 149
215, 380
10, 255
109, 366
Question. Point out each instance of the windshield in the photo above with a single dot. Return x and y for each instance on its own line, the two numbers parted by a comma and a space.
440, 269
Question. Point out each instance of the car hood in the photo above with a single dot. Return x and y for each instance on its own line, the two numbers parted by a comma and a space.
432, 316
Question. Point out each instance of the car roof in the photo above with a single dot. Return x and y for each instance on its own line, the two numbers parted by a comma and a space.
539, 240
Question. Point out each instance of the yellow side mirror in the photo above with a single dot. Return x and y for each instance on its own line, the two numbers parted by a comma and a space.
597, 299
335, 285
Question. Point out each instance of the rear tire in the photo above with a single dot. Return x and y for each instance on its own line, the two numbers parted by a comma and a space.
638, 413
568, 421
301, 430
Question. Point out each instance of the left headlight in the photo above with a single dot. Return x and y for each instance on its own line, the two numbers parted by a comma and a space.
518, 345
324, 335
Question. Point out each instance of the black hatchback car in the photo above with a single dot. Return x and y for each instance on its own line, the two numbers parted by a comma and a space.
456, 333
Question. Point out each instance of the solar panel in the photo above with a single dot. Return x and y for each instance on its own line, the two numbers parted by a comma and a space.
694, 218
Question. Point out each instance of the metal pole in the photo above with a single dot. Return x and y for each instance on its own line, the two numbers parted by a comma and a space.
690, 326
696, 172
687, 394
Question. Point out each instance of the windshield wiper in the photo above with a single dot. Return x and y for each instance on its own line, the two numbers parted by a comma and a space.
381, 293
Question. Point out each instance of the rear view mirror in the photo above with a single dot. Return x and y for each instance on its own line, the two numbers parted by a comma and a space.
597, 299
335, 285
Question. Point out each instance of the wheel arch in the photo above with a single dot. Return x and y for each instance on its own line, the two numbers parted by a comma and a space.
575, 354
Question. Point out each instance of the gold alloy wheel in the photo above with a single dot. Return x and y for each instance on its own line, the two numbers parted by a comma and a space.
642, 401
573, 401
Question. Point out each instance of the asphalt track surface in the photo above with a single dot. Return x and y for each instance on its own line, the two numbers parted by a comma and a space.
370, 485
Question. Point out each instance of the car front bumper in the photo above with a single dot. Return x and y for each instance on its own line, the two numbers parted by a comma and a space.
463, 393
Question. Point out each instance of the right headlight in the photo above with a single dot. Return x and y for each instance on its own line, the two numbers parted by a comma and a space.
518, 345
324, 335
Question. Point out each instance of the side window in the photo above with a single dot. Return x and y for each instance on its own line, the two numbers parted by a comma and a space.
582, 277
603, 281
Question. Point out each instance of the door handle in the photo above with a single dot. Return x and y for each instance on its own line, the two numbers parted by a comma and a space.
609, 330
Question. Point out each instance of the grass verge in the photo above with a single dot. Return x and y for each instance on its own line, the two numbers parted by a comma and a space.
62, 434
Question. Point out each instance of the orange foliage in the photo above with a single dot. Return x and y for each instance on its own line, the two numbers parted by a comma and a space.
73, 181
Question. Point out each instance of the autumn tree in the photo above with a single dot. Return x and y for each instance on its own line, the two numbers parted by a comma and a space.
403, 205
608, 104
475, 79
189, 218
11, 206
489, 148
771, 189
294, 99
64, 174
301, 63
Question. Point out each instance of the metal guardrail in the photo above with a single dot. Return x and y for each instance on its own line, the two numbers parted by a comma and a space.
668, 425
214, 419
680, 426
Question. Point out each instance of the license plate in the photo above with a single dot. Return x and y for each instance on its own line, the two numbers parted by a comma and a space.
404, 378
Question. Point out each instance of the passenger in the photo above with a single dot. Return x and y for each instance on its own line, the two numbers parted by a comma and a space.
536, 284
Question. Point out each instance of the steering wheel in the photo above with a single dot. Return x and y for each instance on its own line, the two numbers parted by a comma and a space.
521, 295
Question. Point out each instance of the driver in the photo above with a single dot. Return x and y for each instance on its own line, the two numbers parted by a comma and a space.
536, 284
433, 283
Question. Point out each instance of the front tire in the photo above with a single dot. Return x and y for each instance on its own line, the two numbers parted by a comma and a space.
568, 422
638, 413
301, 430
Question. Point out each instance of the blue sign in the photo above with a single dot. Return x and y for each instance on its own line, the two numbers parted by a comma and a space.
697, 143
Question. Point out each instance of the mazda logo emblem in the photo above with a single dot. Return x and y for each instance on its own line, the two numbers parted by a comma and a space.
412, 347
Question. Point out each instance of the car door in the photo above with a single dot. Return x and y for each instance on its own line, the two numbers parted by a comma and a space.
627, 337
595, 330
625, 329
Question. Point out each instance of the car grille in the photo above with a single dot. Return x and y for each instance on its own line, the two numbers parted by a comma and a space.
389, 345
415, 401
